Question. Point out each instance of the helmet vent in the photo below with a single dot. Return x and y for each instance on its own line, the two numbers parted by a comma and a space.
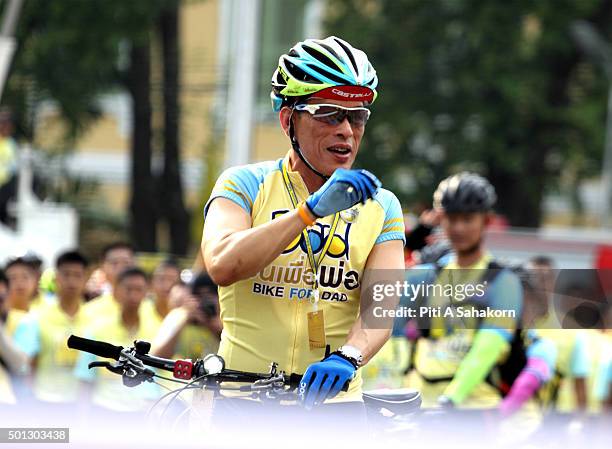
329, 75
320, 57
349, 53
329, 49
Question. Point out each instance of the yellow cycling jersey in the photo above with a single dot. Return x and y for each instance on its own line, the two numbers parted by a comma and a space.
265, 317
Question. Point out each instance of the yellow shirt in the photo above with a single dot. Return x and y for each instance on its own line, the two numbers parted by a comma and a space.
574, 360
195, 342
108, 389
7, 159
101, 308
43, 334
13, 319
265, 317
106, 307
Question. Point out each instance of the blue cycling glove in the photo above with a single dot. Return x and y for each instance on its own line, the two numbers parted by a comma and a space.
325, 379
343, 190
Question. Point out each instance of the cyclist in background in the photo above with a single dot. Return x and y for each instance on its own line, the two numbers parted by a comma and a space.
43, 333
288, 241
454, 356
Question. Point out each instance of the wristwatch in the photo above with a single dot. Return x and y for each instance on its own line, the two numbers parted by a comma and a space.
352, 354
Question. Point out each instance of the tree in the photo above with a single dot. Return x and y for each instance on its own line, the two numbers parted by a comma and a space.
171, 190
464, 84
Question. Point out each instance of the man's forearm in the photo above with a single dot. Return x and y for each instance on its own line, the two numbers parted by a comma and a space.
168, 334
243, 254
368, 341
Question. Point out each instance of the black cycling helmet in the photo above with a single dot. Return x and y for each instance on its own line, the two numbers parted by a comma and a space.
465, 192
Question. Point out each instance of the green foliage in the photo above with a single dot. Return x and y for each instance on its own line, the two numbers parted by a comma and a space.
500, 88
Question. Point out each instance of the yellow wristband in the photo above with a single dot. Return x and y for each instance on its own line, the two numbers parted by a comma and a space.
305, 215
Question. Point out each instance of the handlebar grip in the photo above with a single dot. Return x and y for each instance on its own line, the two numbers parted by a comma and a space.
295, 379
99, 348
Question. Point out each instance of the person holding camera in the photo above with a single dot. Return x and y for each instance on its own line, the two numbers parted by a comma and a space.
192, 328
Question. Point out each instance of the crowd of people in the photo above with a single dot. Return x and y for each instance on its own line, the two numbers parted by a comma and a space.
116, 302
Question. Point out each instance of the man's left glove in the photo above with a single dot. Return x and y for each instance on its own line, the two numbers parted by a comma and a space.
325, 379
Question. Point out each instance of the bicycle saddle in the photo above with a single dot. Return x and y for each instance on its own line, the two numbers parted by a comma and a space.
399, 401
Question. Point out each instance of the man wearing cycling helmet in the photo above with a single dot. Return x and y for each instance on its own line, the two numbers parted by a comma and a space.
454, 353
288, 240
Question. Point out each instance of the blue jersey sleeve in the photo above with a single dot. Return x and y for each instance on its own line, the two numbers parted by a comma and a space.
393, 226
506, 295
27, 336
239, 184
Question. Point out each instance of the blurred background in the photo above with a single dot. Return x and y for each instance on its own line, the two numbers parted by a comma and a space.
117, 116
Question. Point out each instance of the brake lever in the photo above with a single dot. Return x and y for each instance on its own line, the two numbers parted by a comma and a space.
135, 363
116, 368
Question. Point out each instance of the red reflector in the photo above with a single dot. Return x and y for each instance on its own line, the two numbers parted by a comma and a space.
183, 369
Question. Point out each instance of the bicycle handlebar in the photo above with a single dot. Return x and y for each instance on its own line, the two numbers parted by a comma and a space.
99, 348
181, 369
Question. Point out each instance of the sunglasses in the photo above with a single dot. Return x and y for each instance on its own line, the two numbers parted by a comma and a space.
333, 114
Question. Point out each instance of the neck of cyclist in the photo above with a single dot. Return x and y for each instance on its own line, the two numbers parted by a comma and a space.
311, 179
469, 256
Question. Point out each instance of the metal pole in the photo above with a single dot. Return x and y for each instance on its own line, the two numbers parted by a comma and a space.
7, 42
241, 95
606, 169
9, 21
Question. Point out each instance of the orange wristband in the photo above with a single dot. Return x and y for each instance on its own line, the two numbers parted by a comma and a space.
305, 215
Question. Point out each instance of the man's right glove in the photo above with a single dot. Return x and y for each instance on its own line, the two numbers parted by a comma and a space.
343, 190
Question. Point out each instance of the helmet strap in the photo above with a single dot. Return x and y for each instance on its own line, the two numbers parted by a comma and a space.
296, 147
